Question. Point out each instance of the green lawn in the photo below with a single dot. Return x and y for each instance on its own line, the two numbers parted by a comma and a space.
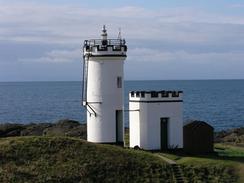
229, 150
227, 165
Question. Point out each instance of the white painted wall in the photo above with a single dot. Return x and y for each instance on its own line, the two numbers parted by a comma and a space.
134, 124
145, 125
102, 87
105, 65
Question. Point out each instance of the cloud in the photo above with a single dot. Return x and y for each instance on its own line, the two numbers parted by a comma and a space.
159, 64
157, 38
159, 56
149, 55
56, 56
45, 23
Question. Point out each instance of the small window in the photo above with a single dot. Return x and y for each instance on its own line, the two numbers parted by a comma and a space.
119, 82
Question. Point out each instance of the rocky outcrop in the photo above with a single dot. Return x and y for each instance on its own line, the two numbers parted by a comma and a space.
234, 136
10, 130
64, 127
35, 129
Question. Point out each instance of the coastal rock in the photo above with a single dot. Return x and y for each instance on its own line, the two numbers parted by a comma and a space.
79, 131
66, 128
10, 130
35, 129
234, 136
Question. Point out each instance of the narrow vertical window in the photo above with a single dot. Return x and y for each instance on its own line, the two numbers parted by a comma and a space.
119, 82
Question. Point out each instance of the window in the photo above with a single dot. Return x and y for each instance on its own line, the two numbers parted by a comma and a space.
119, 82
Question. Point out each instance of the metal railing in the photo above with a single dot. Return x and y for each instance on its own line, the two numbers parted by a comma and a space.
85, 76
113, 42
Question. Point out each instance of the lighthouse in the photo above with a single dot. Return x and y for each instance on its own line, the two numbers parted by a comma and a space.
103, 87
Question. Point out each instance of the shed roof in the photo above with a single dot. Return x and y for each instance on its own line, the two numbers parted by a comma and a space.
195, 124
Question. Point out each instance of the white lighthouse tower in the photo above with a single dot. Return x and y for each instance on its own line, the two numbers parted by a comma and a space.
103, 76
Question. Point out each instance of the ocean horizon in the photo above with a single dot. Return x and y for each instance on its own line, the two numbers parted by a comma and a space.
216, 101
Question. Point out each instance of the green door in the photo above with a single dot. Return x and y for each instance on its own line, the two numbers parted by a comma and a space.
164, 133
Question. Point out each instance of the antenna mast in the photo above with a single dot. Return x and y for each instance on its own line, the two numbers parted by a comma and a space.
119, 34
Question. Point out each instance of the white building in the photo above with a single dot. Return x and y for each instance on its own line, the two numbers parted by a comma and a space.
103, 76
155, 119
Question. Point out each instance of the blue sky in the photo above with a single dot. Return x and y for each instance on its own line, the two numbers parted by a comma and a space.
203, 39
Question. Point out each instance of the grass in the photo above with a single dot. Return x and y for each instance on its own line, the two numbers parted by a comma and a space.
126, 137
229, 150
64, 159
227, 165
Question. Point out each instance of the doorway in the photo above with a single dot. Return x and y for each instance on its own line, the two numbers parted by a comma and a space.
164, 133
119, 126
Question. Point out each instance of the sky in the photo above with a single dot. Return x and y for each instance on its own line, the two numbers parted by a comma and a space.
169, 39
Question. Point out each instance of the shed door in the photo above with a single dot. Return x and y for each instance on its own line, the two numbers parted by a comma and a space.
164, 133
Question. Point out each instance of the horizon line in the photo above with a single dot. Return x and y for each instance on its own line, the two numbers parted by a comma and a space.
124, 80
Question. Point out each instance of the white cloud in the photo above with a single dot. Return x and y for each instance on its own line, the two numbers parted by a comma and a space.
149, 55
162, 36
24, 22
56, 56
159, 56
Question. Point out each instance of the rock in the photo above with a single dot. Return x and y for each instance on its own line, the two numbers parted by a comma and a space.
66, 123
63, 128
230, 137
234, 136
10, 130
79, 131
35, 129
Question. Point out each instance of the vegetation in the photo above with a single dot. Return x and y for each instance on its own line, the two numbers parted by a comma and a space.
126, 137
226, 165
64, 127
226, 150
64, 159
56, 157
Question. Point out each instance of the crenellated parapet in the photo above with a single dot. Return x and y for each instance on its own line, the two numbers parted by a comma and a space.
156, 95
105, 47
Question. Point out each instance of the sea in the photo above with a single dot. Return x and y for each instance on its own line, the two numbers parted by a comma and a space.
217, 102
